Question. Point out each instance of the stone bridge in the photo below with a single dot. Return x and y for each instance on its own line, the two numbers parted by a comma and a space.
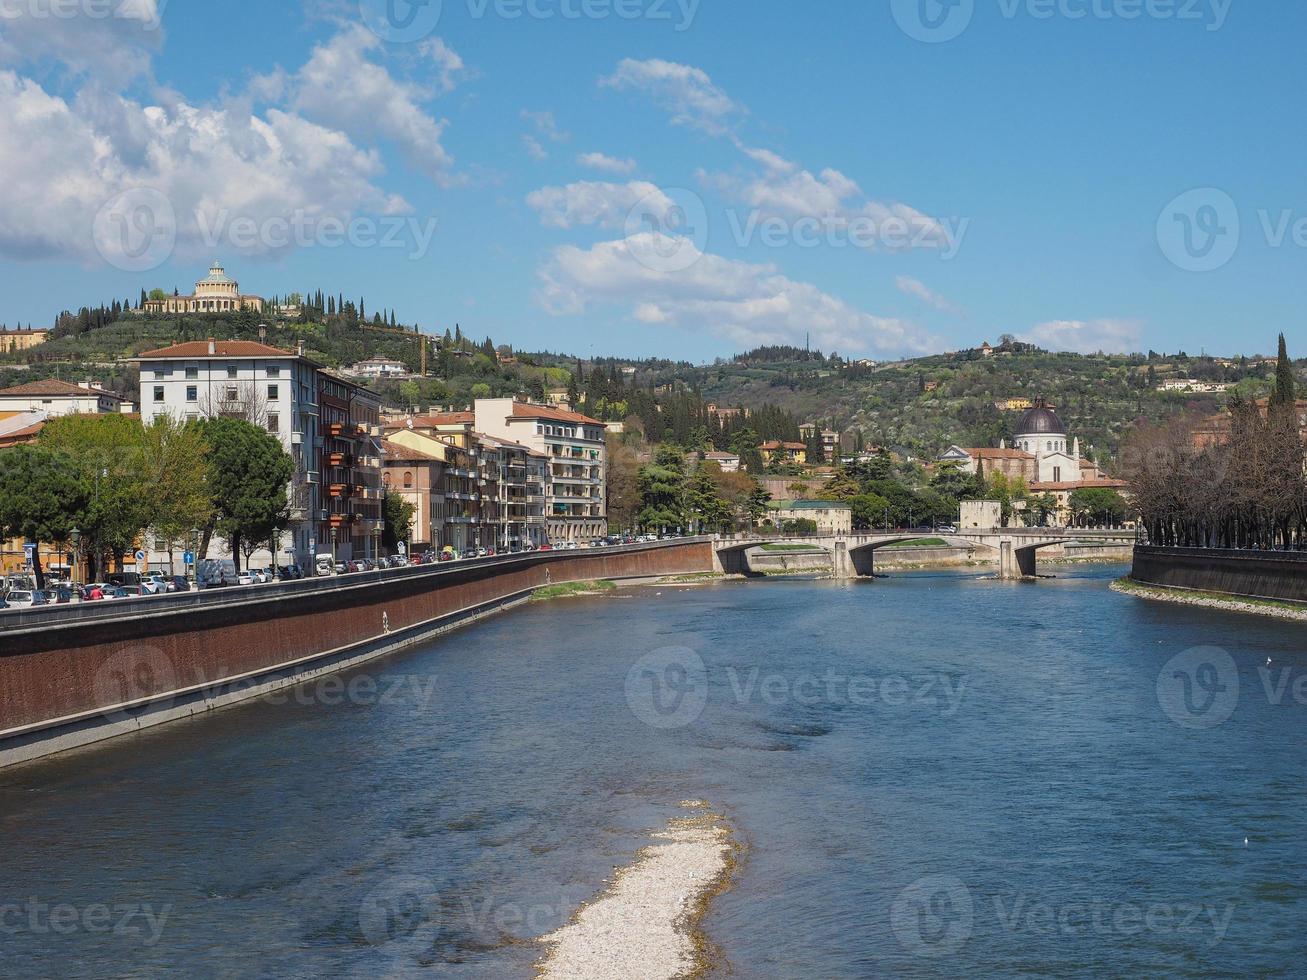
853, 555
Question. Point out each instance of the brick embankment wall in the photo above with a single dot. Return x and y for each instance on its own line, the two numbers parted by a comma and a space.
78, 674
1255, 574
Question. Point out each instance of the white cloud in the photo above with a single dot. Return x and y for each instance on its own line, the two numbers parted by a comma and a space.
917, 288
63, 162
595, 203
606, 164
446, 60
115, 40
1111, 336
748, 304
534, 149
786, 191
683, 90
339, 87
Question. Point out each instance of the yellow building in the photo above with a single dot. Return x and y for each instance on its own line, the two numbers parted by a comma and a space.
12, 341
215, 293
783, 452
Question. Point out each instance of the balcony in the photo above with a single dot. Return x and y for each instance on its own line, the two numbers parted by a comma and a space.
340, 459
341, 490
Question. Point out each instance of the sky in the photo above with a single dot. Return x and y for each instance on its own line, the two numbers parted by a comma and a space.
673, 178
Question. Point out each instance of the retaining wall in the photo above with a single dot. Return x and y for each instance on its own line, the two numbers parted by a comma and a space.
70, 675
1256, 574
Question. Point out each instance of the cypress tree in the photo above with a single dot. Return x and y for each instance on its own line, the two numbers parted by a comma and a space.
1286, 393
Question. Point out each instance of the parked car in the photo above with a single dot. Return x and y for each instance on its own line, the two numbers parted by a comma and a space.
179, 583
64, 595
116, 592
22, 599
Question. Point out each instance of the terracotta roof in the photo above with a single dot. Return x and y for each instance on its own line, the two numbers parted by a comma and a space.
435, 420
1102, 484
222, 348
524, 411
393, 452
51, 387
773, 444
998, 454
24, 332
20, 436
721, 455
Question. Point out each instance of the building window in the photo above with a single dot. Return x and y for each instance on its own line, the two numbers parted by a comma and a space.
231, 370
274, 423
158, 393
192, 374
408, 481
1057, 474
192, 417
273, 393
274, 372
232, 395
192, 393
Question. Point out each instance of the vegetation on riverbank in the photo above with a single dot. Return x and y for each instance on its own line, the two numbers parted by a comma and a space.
919, 543
1282, 609
569, 590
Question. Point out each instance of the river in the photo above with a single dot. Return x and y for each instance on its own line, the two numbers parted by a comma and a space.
931, 775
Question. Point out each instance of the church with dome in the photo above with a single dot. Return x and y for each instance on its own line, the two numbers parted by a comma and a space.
1039, 457
215, 293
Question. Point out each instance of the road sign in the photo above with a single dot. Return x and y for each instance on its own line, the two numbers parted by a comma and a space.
188, 558
140, 556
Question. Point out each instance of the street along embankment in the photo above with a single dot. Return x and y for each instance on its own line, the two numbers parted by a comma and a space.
73, 675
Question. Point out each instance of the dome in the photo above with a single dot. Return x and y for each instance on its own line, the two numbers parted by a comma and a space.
217, 277
1040, 421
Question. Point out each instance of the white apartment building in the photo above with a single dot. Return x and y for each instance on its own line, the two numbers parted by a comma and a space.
54, 398
575, 505
283, 392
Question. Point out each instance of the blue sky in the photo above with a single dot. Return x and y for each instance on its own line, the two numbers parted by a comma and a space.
686, 180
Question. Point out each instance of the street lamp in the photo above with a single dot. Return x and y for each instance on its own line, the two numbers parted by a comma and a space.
376, 544
75, 537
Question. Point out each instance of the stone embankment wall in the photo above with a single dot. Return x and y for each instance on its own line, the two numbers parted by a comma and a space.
70, 675
1255, 574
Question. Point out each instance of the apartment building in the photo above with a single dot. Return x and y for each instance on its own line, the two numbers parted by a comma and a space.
574, 450
328, 426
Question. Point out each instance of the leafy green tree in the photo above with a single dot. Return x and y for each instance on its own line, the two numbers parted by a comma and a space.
109, 453
662, 490
1044, 507
841, 487
1097, 505
870, 510
248, 476
174, 467
398, 515
703, 501
43, 496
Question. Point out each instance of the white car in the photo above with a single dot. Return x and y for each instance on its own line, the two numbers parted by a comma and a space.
154, 584
19, 599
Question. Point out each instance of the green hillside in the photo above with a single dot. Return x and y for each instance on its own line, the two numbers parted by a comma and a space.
918, 407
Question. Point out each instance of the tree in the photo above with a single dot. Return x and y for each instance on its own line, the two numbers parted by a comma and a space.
42, 498
662, 490
622, 484
703, 501
1097, 505
759, 498
174, 467
1285, 394
841, 487
109, 453
1043, 506
248, 476
398, 515
870, 510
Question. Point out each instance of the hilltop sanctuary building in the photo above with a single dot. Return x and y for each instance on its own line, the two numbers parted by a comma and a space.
1039, 458
215, 293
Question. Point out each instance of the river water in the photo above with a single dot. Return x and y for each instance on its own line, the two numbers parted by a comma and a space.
932, 775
